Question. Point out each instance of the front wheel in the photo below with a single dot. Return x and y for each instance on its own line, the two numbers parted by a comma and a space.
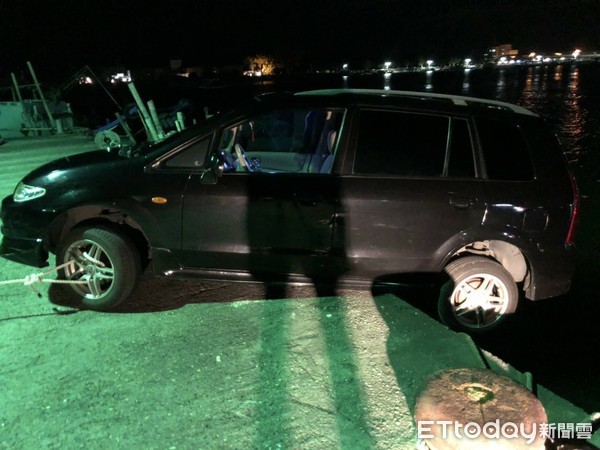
479, 296
105, 264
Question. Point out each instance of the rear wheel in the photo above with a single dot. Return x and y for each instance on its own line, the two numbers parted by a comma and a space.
104, 261
479, 296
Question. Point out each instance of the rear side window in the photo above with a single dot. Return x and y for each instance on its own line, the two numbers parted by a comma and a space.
414, 145
505, 150
401, 144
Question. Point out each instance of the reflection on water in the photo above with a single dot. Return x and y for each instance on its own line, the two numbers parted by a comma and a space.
429, 80
534, 94
551, 91
555, 92
500, 84
546, 92
531, 91
575, 117
387, 81
558, 71
466, 86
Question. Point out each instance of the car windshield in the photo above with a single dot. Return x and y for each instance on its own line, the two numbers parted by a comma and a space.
153, 149
146, 147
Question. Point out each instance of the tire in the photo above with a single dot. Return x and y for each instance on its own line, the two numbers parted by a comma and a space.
478, 297
106, 260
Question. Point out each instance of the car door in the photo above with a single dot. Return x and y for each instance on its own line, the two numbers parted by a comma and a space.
261, 222
413, 194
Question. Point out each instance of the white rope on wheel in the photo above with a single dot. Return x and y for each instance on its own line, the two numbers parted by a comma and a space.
38, 278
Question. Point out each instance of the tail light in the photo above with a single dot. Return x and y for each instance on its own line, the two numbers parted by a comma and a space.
574, 213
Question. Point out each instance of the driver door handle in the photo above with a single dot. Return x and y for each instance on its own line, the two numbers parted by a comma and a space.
307, 200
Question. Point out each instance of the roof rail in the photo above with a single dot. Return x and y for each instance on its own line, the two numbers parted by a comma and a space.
456, 99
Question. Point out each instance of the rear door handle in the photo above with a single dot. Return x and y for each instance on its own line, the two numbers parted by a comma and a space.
462, 202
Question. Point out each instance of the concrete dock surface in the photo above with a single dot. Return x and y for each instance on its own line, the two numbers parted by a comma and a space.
191, 364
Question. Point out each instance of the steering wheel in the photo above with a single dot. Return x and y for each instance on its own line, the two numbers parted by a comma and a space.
246, 163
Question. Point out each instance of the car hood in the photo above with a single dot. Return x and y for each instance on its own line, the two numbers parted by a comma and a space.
91, 164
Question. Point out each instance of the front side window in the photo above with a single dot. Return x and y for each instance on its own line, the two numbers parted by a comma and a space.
289, 140
191, 157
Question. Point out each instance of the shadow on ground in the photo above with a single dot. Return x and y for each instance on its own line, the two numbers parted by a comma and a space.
555, 339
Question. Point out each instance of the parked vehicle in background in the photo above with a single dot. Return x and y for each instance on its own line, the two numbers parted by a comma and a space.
335, 186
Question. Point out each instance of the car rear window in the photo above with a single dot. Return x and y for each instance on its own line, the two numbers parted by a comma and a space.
505, 150
401, 144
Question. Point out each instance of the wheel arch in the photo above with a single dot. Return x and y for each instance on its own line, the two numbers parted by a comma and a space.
505, 253
109, 217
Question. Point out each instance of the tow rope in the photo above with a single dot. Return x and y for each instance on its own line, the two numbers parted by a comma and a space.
39, 278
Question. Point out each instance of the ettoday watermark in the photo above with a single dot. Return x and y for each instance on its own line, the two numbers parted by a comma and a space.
450, 429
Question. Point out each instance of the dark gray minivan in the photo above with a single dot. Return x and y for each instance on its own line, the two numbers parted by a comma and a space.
329, 187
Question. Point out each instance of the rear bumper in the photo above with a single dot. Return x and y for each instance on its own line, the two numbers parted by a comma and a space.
552, 273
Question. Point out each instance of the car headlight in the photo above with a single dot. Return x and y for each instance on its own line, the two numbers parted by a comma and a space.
24, 192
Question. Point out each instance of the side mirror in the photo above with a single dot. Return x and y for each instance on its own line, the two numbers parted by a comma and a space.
213, 172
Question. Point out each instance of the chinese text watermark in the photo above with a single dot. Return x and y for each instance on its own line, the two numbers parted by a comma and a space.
507, 430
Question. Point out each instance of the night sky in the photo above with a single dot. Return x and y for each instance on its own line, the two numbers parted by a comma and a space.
64, 33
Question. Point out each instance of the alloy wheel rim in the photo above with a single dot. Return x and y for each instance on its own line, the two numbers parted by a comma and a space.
89, 262
479, 300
